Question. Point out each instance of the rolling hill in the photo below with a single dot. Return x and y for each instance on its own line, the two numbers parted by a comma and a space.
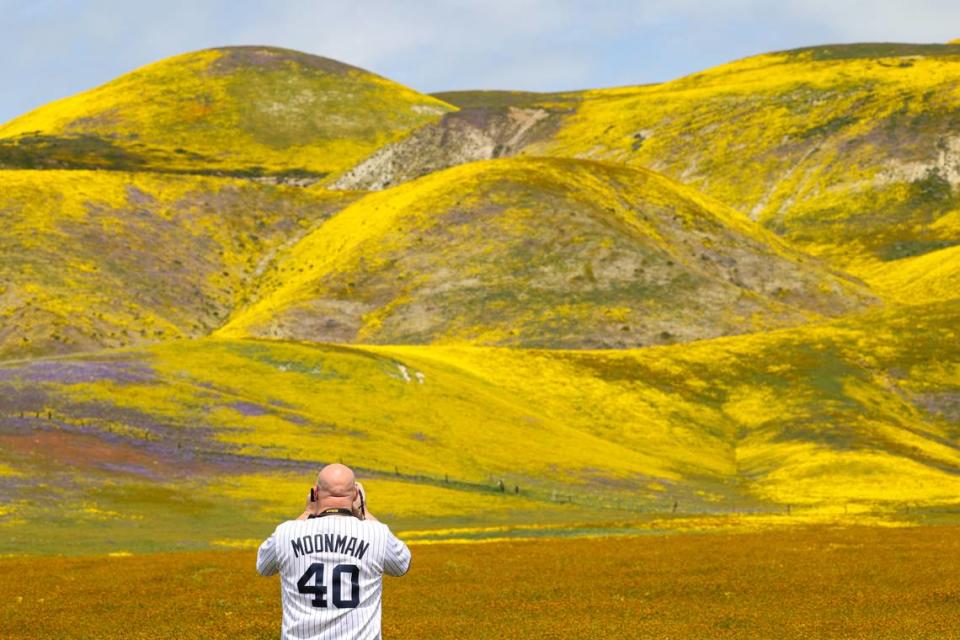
539, 253
849, 151
246, 111
93, 259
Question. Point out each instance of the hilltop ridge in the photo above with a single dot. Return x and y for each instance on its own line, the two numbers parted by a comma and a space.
247, 111
850, 149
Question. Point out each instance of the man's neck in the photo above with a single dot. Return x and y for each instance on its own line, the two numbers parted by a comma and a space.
336, 503
332, 511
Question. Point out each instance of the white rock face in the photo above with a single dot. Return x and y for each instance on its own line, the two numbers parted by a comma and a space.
464, 136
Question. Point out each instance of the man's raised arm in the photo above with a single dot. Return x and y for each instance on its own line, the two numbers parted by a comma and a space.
267, 564
396, 561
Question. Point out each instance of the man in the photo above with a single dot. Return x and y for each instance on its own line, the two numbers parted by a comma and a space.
331, 562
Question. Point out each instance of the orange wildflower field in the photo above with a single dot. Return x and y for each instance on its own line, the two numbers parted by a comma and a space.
821, 582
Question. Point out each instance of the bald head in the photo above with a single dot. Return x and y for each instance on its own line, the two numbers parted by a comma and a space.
337, 486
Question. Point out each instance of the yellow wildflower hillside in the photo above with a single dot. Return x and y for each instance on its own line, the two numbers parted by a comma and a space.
926, 278
539, 252
90, 259
851, 151
240, 110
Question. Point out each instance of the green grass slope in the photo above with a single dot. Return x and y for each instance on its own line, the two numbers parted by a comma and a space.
849, 151
544, 253
238, 110
160, 447
93, 259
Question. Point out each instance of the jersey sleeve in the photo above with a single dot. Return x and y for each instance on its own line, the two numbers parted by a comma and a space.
267, 560
396, 561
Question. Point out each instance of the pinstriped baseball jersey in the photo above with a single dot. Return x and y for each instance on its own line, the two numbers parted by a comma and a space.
331, 575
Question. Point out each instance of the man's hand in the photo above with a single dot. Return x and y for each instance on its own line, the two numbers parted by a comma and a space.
360, 507
313, 504
360, 503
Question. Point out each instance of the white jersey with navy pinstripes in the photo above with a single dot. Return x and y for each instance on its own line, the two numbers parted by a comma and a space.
331, 575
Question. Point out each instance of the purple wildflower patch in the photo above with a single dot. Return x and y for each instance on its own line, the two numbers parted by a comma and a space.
249, 408
77, 372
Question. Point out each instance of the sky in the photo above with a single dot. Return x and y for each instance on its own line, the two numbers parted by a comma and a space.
54, 48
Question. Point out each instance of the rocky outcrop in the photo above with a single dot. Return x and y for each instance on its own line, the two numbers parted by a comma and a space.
479, 133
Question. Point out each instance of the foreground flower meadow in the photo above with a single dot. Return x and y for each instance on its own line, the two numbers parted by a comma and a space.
816, 582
